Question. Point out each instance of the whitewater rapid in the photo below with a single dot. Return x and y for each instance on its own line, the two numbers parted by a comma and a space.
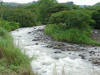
45, 61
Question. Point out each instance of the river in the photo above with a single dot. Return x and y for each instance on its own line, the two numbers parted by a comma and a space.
49, 61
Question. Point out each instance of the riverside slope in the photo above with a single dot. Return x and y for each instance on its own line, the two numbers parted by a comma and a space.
50, 58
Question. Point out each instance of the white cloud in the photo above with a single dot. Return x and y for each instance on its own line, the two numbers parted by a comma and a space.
82, 2
19, 1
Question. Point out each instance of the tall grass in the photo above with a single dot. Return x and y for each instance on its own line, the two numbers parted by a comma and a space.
74, 35
13, 57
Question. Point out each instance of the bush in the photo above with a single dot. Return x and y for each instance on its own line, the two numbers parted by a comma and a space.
42, 10
24, 17
72, 19
58, 7
12, 60
74, 35
11, 57
96, 17
8, 25
9, 51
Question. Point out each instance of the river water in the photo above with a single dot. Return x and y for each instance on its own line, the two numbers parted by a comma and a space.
45, 61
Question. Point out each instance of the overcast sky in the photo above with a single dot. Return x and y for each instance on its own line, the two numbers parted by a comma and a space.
79, 2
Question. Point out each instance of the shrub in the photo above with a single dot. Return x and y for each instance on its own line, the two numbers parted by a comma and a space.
8, 25
72, 19
96, 17
73, 35
58, 7
11, 58
9, 51
42, 10
24, 17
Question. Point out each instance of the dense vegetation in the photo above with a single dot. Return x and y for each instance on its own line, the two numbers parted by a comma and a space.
96, 17
12, 61
39, 12
22, 16
8, 25
62, 33
64, 21
71, 26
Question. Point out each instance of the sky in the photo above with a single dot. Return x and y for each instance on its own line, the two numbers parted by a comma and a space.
78, 2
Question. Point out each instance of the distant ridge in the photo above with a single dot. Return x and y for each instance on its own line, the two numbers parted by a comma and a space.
97, 4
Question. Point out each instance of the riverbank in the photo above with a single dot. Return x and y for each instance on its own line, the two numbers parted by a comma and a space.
12, 60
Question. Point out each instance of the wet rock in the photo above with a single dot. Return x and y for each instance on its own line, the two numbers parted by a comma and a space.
82, 49
62, 49
40, 30
93, 45
95, 60
34, 28
37, 39
34, 40
61, 44
95, 48
71, 49
57, 52
49, 46
29, 32
36, 44
56, 58
82, 56
92, 52
56, 47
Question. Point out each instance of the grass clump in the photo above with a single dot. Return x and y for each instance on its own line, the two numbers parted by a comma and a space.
8, 25
73, 35
12, 59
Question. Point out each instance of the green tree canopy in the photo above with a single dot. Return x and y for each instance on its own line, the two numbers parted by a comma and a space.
96, 17
42, 9
72, 18
23, 16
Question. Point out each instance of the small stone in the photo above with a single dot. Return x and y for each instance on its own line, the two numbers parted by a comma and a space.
57, 52
82, 56
36, 43
95, 60
34, 28
92, 52
83, 49
56, 58
49, 46
55, 47
29, 32
34, 40
95, 48
63, 50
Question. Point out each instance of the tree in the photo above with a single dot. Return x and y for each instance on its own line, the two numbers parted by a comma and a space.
1, 9
42, 8
25, 17
96, 17
58, 7
72, 19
